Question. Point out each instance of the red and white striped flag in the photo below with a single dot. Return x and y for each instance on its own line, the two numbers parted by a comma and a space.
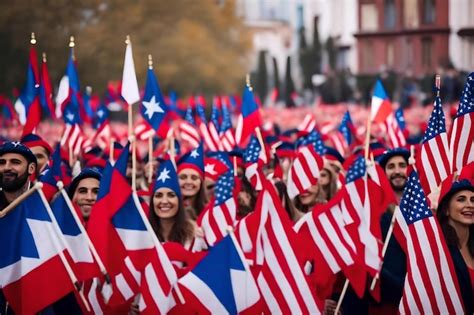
461, 145
304, 171
74, 138
332, 244
308, 124
434, 164
267, 233
431, 285
221, 211
393, 132
143, 131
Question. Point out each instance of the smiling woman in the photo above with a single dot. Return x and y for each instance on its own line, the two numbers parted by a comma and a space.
167, 216
456, 217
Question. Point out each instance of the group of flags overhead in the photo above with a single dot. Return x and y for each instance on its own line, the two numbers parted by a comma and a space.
344, 234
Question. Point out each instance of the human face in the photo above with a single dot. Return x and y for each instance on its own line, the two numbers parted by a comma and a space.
85, 195
42, 156
309, 197
14, 171
165, 203
396, 171
324, 177
461, 208
189, 182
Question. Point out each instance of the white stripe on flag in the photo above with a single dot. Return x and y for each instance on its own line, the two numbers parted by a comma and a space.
203, 293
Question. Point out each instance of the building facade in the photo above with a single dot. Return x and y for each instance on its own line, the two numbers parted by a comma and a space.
461, 41
407, 36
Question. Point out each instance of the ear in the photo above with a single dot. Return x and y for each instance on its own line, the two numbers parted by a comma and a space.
31, 168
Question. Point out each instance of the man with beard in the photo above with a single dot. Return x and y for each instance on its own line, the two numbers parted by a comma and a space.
392, 276
395, 163
17, 164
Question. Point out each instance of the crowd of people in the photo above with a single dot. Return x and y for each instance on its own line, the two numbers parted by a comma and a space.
174, 205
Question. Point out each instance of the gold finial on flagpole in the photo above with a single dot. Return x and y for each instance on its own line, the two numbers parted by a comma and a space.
33, 38
150, 61
127, 40
44, 57
438, 84
247, 81
71, 42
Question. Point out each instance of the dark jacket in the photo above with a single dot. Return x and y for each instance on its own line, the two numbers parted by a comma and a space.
464, 279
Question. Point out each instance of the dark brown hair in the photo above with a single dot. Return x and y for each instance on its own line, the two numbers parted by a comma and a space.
182, 229
449, 232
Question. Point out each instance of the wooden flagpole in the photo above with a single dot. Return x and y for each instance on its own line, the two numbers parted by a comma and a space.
150, 159
83, 231
57, 237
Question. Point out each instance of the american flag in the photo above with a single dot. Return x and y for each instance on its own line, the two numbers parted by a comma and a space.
462, 138
346, 128
267, 235
358, 206
227, 138
313, 139
304, 171
202, 124
103, 133
255, 157
332, 244
74, 138
188, 131
221, 211
214, 121
434, 163
393, 132
431, 284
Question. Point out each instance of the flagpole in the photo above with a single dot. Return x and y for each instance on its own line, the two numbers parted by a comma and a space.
341, 297
411, 161
111, 155
17, 201
173, 151
150, 159
57, 237
134, 162
97, 258
367, 137
159, 248
130, 107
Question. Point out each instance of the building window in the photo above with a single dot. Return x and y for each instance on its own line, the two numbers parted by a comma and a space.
390, 54
470, 54
390, 16
367, 55
427, 52
300, 17
429, 11
368, 18
410, 14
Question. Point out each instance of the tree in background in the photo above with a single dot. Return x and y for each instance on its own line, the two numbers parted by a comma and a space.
317, 47
289, 85
276, 94
261, 84
307, 60
331, 52
197, 46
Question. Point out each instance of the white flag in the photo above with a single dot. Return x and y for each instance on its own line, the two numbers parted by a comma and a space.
130, 90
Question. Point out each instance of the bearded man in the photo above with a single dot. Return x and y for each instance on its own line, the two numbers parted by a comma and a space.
17, 164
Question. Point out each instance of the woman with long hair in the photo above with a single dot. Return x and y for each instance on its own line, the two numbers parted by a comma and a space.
167, 216
191, 177
456, 217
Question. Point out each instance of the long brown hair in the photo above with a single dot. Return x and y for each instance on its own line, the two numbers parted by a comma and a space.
182, 229
449, 232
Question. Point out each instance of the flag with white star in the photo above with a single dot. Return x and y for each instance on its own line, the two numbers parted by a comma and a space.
433, 163
167, 178
193, 159
462, 138
153, 108
356, 170
431, 284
